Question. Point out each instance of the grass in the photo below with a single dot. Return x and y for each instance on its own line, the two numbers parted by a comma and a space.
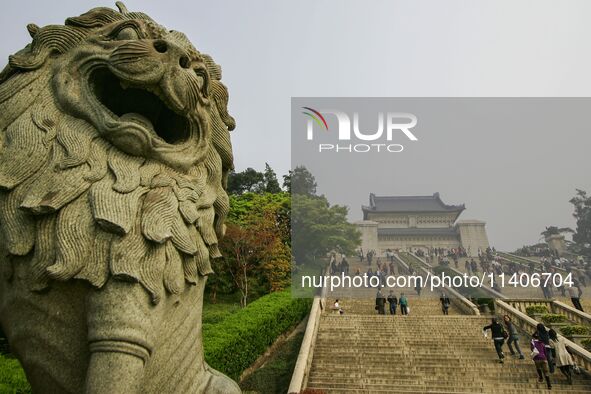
12, 377
275, 375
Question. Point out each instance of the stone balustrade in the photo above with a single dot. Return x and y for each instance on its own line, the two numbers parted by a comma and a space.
457, 299
572, 314
505, 307
304, 360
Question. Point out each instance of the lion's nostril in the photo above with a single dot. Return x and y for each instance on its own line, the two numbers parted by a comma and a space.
160, 46
185, 62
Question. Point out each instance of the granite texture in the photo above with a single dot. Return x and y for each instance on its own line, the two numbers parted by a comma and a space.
115, 150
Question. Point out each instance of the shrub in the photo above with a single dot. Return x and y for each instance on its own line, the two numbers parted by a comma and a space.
534, 309
586, 344
12, 377
575, 330
550, 318
235, 343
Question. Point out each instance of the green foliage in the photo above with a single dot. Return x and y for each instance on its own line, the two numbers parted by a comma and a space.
318, 228
253, 181
536, 309
582, 235
257, 238
271, 182
586, 344
553, 230
549, 318
235, 343
300, 181
249, 180
12, 377
216, 313
575, 330
275, 375
248, 207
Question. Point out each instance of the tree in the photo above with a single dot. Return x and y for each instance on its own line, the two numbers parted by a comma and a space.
553, 230
253, 181
249, 180
256, 247
318, 228
582, 235
300, 181
270, 179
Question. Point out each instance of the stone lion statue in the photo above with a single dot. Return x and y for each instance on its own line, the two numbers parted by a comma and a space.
114, 154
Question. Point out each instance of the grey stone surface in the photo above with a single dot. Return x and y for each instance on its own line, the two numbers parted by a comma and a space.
114, 156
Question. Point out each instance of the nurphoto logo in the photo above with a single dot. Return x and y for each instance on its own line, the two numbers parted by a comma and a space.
390, 125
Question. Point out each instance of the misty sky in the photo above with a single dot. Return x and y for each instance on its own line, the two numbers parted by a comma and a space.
271, 51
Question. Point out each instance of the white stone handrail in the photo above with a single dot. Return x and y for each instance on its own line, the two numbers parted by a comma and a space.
581, 356
554, 306
304, 362
571, 313
493, 293
461, 302
522, 260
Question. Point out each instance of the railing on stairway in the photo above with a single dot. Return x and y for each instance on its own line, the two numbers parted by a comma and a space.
503, 307
301, 370
459, 301
572, 314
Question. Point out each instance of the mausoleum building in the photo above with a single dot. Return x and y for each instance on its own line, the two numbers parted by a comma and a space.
418, 222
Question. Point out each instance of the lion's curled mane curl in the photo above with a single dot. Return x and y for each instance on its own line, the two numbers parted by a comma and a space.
78, 206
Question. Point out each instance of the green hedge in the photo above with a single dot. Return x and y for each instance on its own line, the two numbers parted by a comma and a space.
530, 310
586, 344
235, 343
12, 377
575, 330
550, 318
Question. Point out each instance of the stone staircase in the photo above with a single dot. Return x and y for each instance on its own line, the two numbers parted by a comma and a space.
417, 307
362, 352
509, 291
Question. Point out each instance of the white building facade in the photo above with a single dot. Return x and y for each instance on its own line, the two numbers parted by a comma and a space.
418, 222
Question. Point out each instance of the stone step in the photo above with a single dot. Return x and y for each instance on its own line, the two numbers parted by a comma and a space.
356, 353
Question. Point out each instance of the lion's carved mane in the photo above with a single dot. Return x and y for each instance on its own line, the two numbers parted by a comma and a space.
83, 208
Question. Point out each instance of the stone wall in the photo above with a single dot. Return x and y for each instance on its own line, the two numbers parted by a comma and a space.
408, 243
369, 235
473, 236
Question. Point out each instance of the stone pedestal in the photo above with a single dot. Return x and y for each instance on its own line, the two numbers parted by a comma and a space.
473, 236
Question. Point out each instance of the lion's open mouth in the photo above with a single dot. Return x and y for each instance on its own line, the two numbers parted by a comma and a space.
139, 106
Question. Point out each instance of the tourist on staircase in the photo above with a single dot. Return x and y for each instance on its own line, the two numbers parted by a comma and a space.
403, 302
564, 360
574, 292
445, 302
393, 302
540, 354
545, 338
498, 334
380, 302
336, 307
418, 287
513, 338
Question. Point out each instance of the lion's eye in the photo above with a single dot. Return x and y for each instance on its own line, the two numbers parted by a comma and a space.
128, 33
